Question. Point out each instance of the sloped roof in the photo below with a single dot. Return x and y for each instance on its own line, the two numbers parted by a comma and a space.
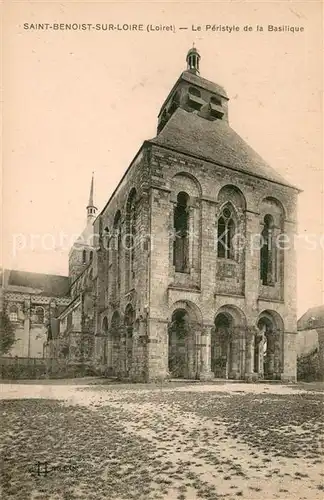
45, 284
214, 141
313, 318
202, 82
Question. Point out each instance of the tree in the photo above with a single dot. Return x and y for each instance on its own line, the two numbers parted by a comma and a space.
7, 333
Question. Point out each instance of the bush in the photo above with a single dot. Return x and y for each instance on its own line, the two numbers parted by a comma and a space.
308, 368
52, 369
7, 333
20, 371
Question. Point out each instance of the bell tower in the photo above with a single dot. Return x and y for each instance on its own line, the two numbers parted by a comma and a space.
193, 58
91, 209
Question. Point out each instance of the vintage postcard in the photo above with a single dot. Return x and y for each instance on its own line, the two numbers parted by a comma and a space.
161, 300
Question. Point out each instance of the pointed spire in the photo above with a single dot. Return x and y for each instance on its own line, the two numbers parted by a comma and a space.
90, 204
91, 209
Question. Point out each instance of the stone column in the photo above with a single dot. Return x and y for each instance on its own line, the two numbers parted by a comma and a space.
289, 372
270, 353
277, 355
109, 347
205, 372
261, 355
249, 354
234, 357
122, 352
139, 365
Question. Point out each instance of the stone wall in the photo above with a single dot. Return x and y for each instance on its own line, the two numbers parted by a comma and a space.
214, 283
210, 286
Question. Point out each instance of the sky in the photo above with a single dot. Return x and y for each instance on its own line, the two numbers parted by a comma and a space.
77, 102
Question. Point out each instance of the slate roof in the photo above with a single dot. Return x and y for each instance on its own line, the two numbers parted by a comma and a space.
202, 82
45, 284
214, 141
313, 318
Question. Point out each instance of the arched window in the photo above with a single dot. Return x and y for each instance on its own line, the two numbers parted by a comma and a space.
225, 234
39, 313
181, 236
13, 313
84, 257
267, 252
91, 256
105, 238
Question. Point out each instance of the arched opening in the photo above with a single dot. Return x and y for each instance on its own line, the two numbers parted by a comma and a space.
267, 252
129, 325
222, 346
226, 229
91, 256
268, 346
84, 257
105, 238
178, 332
115, 343
181, 230
40, 315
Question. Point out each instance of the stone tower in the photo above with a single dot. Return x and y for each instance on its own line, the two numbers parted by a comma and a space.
82, 250
204, 290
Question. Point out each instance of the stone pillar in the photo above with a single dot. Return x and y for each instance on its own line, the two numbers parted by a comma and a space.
277, 355
249, 354
270, 354
193, 347
157, 349
122, 372
108, 346
139, 363
205, 372
234, 356
289, 373
261, 355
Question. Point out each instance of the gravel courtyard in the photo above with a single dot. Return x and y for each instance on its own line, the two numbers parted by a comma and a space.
181, 441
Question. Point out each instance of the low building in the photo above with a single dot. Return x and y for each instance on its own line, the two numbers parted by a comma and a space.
31, 300
311, 335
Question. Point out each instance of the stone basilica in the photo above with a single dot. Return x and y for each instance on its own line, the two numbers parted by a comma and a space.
184, 273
